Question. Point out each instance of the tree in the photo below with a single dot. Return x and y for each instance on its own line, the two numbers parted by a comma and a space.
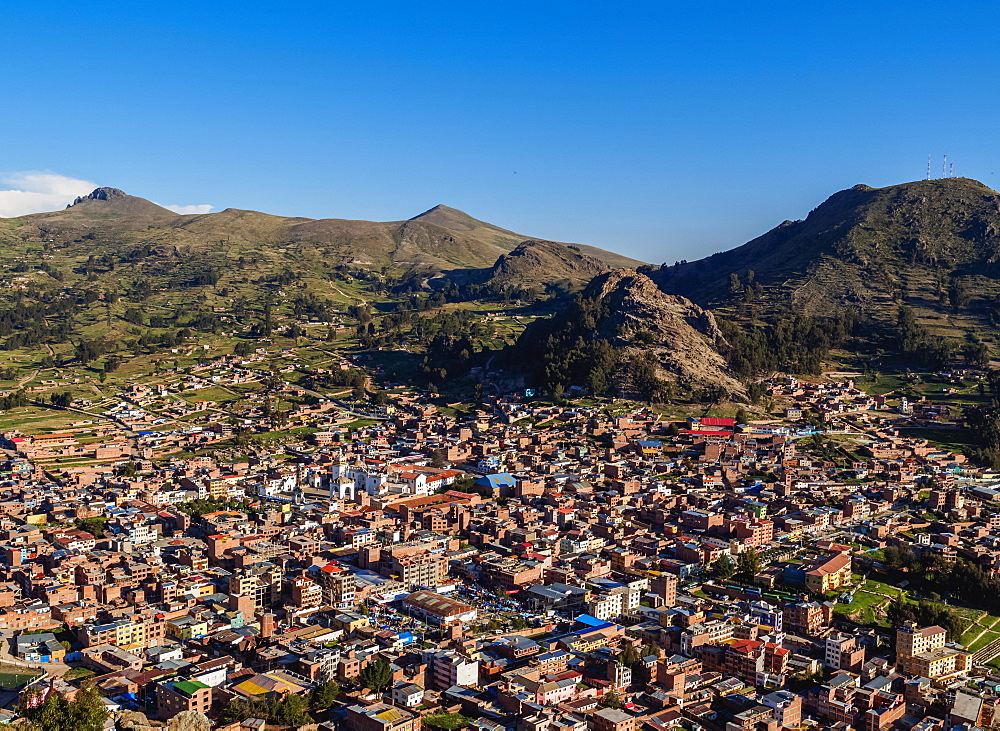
629, 656
724, 568
611, 700
292, 710
86, 712
324, 695
377, 675
748, 564
651, 650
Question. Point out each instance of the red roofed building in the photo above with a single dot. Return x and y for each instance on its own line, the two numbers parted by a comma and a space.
744, 659
711, 423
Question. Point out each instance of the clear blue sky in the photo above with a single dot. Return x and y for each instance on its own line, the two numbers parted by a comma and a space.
662, 130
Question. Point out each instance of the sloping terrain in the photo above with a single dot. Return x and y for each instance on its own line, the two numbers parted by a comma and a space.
863, 249
459, 222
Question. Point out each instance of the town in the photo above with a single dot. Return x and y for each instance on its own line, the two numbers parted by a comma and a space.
523, 565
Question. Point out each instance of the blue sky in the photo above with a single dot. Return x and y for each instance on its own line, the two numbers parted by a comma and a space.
662, 130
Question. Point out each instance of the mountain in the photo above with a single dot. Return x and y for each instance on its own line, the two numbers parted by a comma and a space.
932, 244
105, 209
109, 220
461, 222
625, 335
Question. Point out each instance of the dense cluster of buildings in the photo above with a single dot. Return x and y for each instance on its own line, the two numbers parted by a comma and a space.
532, 568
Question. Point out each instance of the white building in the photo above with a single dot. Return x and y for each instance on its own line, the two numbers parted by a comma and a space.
407, 695
605, 607
449, 668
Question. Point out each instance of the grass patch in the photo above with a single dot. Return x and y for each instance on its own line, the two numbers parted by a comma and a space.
983, 641
13, 681
448, 721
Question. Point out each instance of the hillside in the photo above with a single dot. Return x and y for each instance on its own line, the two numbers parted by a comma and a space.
931, 244
459, 222
533, 266
626, 336
111, 221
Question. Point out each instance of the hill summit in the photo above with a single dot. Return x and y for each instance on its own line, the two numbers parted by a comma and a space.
100, 194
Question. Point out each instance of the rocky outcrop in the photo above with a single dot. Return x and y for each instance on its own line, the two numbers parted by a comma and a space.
134, 721
685, 338
100, 194
189, 721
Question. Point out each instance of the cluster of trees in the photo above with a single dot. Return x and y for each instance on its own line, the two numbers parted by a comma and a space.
307, 304
565, 350
491, 291
961, 579
632, 657
915, 342
352, 377
13, 400
86, 712
453, 342
643, 369
94, 526
91, 349
746, 566
377, 675
290, 710
746, 289
925, 614
796, 344
451, 324
61, 399
35, 317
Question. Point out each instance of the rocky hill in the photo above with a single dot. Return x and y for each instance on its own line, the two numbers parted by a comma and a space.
534, 265
640, 338
931, 244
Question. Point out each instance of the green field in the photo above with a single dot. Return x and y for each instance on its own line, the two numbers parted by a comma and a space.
954, 440
13, 681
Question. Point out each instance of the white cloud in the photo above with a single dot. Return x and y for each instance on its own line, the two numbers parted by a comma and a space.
187, 210
34, 192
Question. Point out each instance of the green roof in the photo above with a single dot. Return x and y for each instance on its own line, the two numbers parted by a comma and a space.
188, 687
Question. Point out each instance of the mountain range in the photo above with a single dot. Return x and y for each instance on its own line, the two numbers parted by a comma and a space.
931, 245
441, 238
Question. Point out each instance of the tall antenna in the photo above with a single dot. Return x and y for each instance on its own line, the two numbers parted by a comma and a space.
944, 167
951, 171
928, 167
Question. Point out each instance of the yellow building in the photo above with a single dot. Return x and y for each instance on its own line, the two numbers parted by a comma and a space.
830, 575
943, 662
186, 628
130, 635
923, 651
